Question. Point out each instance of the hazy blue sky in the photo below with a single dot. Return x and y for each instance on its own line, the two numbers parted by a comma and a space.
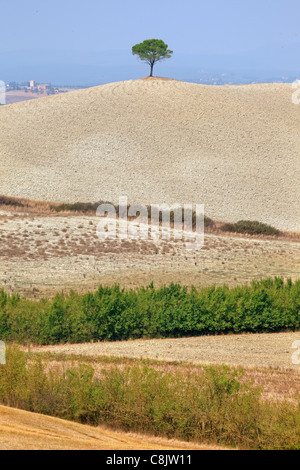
37, 33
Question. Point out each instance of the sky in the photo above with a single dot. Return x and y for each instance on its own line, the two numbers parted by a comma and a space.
91, 40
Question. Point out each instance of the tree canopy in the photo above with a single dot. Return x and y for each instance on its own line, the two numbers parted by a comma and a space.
152, 51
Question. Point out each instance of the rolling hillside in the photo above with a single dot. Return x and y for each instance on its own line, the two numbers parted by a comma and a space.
234, 148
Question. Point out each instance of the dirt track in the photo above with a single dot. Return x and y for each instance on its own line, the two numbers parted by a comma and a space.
234, 148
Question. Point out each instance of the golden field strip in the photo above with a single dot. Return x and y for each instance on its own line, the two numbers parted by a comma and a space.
22, 430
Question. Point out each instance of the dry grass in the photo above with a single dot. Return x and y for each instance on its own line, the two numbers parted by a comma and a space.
42, 252
21, 430
277, 383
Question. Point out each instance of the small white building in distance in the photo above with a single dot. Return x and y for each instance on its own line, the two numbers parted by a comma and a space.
32, 83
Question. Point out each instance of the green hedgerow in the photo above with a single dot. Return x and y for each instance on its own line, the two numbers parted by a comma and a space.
112, 313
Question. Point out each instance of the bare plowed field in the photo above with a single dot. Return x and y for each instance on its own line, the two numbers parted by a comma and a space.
233, 148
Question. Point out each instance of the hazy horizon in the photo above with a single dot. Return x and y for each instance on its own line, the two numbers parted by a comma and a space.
89, 44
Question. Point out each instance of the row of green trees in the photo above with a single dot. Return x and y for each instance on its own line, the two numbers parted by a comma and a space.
112, 313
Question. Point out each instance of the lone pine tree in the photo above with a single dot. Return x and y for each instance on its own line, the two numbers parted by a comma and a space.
152, 51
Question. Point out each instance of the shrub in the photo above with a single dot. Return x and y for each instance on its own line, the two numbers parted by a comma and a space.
87, 207
250, 228
10, 201
84, 207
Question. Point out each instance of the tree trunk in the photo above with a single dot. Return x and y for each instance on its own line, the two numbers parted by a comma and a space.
151, 71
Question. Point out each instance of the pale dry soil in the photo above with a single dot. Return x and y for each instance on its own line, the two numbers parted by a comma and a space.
43, 254
235, 149
21, 430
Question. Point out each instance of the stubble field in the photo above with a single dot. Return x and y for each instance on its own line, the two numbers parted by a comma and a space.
43, 254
